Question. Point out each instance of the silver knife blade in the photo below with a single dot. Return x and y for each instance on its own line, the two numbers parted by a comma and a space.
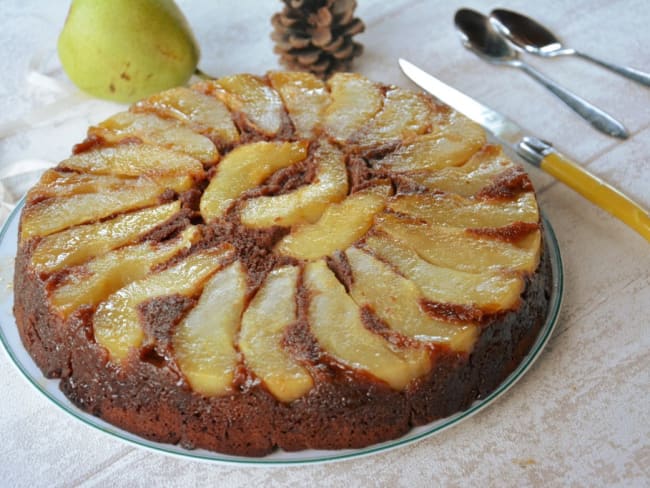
499, 125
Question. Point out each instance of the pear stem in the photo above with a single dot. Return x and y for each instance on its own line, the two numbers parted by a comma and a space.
202, 75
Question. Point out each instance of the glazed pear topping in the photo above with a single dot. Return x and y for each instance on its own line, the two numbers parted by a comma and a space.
340, 223
340, 226
262, 330
153, 130
307, 203
249, 95
335, 321
396, 300
92, 283
455, 248
54, 183
305, 98
355, 100
50, 216
244, 168
456, 211
467, 179
117, 322
490, 291
204, 342
200, 112
453, 145
404, 115
78, 244
135, 160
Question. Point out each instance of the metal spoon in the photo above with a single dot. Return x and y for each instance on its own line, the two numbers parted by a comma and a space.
533, 37
479, 37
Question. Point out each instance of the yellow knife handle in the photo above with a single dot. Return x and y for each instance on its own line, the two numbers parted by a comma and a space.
597, 191
541, 154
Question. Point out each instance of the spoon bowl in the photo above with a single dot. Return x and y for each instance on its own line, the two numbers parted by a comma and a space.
478, 35
527, 34
480, 38
532, 37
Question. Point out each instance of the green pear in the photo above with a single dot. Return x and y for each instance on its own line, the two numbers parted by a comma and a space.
124, 50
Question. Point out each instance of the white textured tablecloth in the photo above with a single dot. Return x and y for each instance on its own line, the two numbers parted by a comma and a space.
578, 418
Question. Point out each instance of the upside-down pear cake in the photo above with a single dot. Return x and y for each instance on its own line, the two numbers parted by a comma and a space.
261, 262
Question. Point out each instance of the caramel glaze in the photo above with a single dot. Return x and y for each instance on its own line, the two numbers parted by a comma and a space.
454, 312
508, 233
507, 185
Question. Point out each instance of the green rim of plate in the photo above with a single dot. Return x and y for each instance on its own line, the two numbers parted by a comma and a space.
282, 458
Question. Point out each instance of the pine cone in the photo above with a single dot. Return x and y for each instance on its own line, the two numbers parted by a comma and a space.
316, 35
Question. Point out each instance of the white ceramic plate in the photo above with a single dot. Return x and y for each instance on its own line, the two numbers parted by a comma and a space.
50, 388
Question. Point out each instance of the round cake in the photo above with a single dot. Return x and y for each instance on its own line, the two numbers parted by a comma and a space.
262, 262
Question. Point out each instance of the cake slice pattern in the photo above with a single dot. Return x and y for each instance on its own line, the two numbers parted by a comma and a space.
303, 225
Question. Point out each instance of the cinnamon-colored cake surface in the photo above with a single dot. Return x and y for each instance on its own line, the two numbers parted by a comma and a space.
262, 262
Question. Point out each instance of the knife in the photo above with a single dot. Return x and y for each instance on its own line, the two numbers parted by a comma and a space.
537, 152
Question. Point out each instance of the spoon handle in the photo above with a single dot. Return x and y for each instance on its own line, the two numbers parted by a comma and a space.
631, 73
596, 117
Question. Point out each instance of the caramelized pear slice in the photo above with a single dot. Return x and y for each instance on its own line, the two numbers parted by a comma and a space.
468, 179
245, 167
339, 227
117, 324
204, 341
456, 211
489, 291
404, 115
79, 244
396, 301
200, 112
355, 100
53, 215
91, 283
151, 129
307, 203
262, 331
258, 102
453, 145
305, 98
455, 248
54, 183
135, 160
335, 322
